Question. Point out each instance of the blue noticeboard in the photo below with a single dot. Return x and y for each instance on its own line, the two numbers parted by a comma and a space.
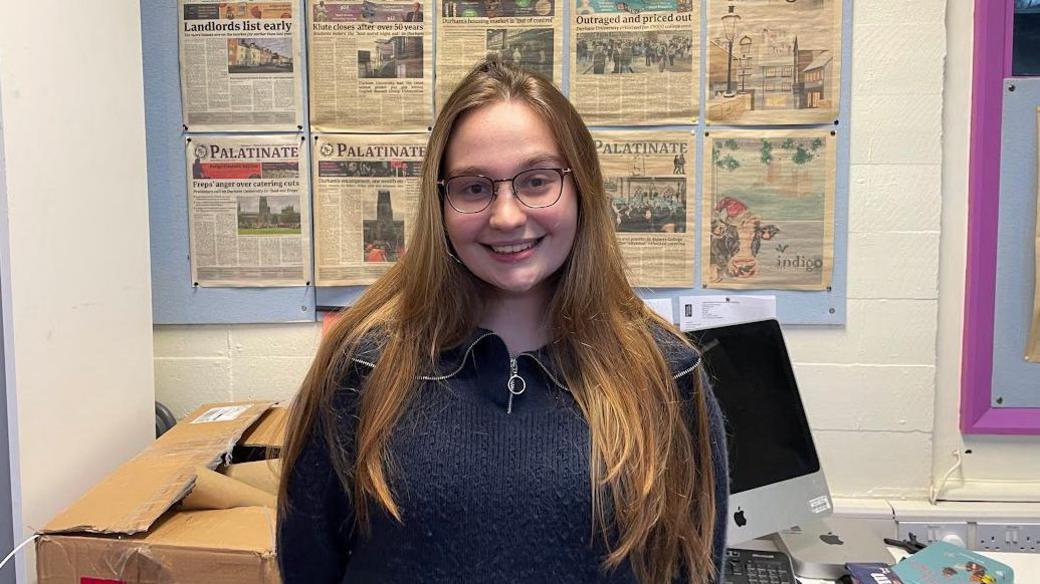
176, 301
1015, 380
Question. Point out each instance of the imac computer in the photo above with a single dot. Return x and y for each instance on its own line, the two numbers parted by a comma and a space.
776, 481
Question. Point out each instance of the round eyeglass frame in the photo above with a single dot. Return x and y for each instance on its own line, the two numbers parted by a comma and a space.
442, 184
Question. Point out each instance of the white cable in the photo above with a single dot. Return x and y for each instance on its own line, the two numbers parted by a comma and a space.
15, 551
933, 492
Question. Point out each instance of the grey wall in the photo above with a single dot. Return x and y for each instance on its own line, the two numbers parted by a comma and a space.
7, 574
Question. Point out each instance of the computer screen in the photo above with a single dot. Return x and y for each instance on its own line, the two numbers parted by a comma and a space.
775, 476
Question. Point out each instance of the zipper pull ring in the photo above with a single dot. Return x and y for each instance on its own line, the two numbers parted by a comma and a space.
516, 384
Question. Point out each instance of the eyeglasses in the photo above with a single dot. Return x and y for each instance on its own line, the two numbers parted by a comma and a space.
536, 188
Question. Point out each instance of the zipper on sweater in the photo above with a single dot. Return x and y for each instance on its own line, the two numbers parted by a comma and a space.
548, 373
515, 385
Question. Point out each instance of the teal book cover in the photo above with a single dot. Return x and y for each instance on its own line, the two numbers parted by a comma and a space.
943, 563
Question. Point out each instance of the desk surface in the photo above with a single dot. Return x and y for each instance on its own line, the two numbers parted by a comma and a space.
1026, 566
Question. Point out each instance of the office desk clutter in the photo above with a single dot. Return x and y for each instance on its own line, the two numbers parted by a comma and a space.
758, 567
870, 573
778, 488
937, 563
944, 563
821, 548
179, 511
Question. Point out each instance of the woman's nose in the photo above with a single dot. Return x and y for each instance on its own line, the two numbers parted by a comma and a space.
507, 212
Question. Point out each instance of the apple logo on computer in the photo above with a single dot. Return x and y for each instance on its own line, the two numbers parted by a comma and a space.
831, 539
739, 518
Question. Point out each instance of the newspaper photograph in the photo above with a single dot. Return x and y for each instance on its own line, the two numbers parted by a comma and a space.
248, 213
772, 62
768, 215
635, 62
527, 33
240, 66
371, 65
649, 177
366, 188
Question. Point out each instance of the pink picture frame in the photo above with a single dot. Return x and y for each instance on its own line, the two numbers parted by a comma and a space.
993, 23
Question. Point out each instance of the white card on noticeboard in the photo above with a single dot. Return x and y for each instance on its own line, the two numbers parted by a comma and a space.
662, 306
699, 312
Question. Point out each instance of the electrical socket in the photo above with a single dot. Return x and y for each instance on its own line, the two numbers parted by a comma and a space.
931, 532
1007, 537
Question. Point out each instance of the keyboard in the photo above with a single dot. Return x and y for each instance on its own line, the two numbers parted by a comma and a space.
757, 567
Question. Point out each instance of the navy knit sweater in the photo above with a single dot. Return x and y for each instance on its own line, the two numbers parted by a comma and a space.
487, 495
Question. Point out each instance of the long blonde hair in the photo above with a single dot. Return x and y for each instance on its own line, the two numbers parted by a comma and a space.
643, 455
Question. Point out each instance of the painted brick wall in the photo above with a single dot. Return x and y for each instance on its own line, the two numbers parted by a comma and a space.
869, 387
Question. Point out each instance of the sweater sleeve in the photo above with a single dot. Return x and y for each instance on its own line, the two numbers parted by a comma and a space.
314, 532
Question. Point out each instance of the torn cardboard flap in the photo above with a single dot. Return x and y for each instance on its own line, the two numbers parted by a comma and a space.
270, 430
240, 528
135, 495
216, 491
262, 474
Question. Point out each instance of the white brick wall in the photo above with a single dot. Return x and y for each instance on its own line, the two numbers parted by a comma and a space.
869, 386
199, 364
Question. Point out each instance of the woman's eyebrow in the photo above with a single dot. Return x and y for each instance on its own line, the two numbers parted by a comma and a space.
466, 171
532, 162
541, 159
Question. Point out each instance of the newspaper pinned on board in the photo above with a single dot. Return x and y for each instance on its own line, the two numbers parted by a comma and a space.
773, 62
527, 33
371, 65
366, 189
248, 213
768, 215
635, 62
649, 177
240, 66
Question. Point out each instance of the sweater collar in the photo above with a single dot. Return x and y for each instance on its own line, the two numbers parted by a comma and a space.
681, 359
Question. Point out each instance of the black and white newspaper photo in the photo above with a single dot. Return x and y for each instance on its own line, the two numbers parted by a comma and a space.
248, 212
366, 188
528, 33
635, 62
371, 65
240, 66
649, 177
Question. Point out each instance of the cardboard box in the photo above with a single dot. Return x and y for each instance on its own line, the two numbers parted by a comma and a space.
138, 526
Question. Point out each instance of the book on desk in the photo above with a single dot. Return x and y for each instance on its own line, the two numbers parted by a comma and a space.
944, 563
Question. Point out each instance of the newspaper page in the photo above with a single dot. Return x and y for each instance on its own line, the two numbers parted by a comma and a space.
366, 189
371, 65
649, 177
1033, 346
248, 213
524, 32
635, 62
772, 62
768, 215
240, 66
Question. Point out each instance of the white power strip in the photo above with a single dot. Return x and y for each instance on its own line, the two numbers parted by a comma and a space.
1002, 537
994, 527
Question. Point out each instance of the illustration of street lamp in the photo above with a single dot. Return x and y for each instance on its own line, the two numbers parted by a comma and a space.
745, 60
729, 32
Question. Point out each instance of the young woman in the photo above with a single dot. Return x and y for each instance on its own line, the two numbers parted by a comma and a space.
500, 406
